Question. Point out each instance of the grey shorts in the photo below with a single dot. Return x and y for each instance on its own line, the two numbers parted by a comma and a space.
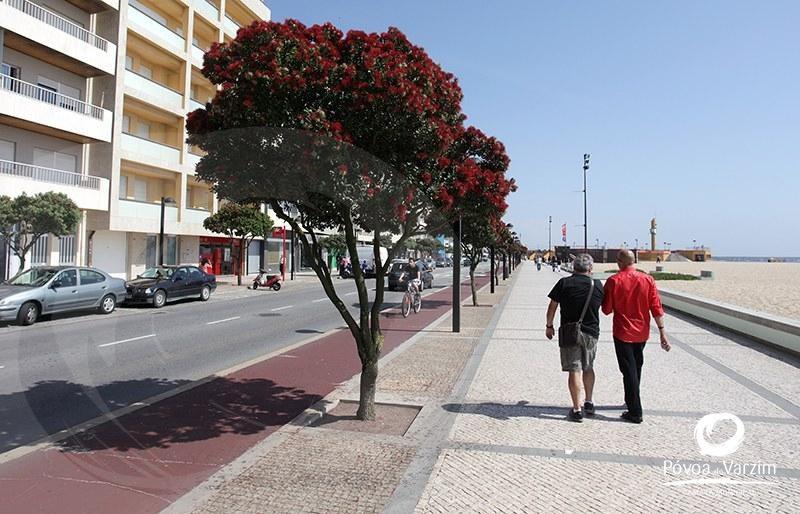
579, 358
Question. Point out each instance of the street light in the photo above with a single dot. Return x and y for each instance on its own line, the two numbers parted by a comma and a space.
164, 201
550, 234
586, 157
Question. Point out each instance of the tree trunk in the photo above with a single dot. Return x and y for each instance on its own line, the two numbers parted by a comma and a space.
241, 264
472, 286
366, 402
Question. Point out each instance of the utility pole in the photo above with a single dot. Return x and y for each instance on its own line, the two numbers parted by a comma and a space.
457, 275
550, 234
586, 157
492, 269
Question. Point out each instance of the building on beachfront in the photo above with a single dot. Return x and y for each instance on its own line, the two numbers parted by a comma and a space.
93, 102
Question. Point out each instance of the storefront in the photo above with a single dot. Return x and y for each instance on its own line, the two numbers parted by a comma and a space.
221, 252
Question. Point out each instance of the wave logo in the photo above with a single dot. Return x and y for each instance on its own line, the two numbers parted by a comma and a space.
705, 428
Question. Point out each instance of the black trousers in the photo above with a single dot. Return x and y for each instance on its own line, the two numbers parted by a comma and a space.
630, 357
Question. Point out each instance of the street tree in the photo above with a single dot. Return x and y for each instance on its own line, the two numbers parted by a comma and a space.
242, 222
25, 219
428, 245
331, 130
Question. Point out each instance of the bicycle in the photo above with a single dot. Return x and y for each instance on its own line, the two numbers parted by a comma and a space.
412, 298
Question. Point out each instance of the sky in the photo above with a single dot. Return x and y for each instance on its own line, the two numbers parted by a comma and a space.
690, 110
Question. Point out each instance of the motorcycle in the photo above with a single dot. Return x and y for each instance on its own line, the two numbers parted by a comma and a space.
264, 280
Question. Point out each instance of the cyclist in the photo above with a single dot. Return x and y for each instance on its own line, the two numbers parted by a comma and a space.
414, 273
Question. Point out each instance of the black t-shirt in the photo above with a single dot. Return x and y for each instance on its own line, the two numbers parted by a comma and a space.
570, 292
412, 270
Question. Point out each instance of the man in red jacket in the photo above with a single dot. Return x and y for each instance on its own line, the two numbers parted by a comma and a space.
632, 296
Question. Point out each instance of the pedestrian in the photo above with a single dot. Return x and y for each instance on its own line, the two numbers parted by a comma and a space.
632, 297
553, 263
579, 296
206, 266
538, 263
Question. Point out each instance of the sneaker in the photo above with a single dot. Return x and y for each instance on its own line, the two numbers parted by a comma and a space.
577, 417
588, 408
627, 416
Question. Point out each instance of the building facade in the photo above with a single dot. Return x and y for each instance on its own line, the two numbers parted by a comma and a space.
93, 102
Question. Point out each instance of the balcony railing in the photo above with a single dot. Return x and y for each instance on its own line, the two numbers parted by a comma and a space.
208, 10
58, 22
229, 25
49, 175
147, 148
156, 27
164, 94
23, 88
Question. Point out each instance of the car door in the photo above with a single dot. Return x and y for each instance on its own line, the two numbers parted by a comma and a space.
91, 287
196, 280
62, 294
180, 286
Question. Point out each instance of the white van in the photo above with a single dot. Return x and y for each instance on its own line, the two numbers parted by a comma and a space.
366, 256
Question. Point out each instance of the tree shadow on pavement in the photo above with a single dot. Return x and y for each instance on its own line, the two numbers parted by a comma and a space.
220, 406
523, 409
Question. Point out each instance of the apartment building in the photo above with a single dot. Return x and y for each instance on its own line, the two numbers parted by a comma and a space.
93, 102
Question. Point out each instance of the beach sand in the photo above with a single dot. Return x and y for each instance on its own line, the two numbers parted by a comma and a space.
773, 288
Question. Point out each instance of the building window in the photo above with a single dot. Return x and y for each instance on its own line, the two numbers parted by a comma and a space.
66, 249
123, 187
171, 250
140, 190
150, 254
39, 251
145, 71
143, 130
7, 150
55, 160
129, 62
126, 124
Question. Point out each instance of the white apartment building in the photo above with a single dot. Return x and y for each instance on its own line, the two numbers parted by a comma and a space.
93, 102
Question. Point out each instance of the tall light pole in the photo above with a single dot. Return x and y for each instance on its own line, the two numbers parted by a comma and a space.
164, 201
550, 234
586, 157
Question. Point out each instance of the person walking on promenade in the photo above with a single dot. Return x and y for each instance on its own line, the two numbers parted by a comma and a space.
632, 297
579, 297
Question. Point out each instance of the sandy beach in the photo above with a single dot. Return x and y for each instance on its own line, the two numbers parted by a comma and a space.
767, 287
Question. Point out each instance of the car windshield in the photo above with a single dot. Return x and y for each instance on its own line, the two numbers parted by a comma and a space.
398, 266
157, 273
33, 277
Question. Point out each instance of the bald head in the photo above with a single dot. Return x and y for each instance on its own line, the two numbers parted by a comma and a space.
625, 258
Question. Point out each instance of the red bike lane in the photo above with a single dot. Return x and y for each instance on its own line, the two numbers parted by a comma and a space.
145, 460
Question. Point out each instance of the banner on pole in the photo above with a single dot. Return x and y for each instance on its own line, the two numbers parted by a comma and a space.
564, 232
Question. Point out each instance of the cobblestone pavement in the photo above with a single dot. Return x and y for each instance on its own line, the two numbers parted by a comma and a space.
318, 469
510, 448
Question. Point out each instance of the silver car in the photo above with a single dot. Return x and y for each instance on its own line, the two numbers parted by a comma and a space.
51, 289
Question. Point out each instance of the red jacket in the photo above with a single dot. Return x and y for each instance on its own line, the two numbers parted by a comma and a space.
632, 296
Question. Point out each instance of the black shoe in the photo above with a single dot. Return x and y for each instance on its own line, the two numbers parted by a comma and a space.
577, 417
588, 408
627, 416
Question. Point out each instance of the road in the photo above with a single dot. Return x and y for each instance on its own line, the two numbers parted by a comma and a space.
59, 373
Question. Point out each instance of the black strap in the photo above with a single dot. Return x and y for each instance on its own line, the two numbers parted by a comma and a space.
588, 300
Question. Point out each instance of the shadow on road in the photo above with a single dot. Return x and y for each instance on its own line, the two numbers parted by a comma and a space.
221, 406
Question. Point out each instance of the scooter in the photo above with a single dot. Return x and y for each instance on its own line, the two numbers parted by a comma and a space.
264, 280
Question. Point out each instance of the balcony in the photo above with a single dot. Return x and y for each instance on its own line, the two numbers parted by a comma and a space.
259, 7
197, 56
195, 216
74, 119
229, 26
194, 105
87, 191
147, 211
35, 30
192, 160
152, 92
208, 10
150, 152
155, 31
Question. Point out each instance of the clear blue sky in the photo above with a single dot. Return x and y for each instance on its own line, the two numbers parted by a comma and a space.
690, 110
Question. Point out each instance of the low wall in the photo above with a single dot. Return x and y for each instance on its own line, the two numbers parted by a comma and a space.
773, 330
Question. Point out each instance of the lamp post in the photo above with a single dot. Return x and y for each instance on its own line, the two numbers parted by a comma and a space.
164, 201
550, 234
586, 157
457, 275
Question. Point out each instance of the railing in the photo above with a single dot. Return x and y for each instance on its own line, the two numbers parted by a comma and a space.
156, 26
50, 175
58, 22
42, 94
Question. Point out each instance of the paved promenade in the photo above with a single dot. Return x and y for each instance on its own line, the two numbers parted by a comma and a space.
491, 435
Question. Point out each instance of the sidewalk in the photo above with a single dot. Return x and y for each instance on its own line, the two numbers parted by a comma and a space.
491, 435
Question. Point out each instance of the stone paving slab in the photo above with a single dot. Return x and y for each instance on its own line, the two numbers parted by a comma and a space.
479, 481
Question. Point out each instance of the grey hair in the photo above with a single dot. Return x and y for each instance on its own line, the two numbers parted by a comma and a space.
583, 263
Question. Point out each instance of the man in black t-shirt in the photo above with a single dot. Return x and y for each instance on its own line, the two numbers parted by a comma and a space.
571, 293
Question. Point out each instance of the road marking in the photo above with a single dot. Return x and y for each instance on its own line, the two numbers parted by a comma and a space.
222, 320
320, 300
2, 367
351, 294
126, 340
282, 308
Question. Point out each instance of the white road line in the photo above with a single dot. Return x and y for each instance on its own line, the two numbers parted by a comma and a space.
126, 340
282, 308
2, 367
320, 300
351, 294
222, 320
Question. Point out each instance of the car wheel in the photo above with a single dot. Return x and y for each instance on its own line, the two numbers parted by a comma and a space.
205, 293
159, 299
28, 313
108, 304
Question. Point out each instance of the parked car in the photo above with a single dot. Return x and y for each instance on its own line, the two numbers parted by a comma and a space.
44, 290
400, 284
444, 262
162, 284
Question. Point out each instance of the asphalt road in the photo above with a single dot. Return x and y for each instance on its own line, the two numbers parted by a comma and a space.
61, 372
